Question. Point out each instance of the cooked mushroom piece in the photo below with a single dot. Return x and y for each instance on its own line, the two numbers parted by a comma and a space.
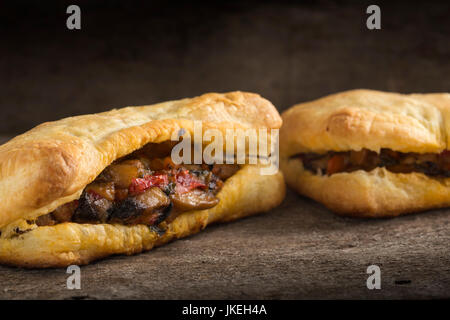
104, 189
193, 200
142, 188
45, 220
92, 208
145, 208
65, 212
123, 173
432, 164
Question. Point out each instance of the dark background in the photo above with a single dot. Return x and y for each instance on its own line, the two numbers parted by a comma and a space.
133, 53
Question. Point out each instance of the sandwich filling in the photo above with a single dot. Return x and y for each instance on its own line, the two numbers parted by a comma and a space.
432, 164
145, 187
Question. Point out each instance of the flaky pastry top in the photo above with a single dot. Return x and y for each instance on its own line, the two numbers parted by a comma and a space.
357, 119
51, 164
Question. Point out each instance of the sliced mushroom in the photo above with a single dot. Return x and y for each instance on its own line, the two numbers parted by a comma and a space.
92, 209
123, 173
193, 200
103, 189
65, 212
45, 220
145, 208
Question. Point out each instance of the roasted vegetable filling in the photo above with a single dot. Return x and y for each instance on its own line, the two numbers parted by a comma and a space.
145, 187
432, 164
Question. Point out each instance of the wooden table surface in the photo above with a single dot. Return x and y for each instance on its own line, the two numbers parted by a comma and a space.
300, 250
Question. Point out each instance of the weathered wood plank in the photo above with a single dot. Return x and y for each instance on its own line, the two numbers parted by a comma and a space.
299, 250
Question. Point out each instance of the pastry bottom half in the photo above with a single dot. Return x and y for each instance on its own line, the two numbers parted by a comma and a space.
245, 193
370, 194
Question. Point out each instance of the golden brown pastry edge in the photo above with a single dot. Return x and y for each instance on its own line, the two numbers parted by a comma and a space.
246, 193
375, 194
357, 119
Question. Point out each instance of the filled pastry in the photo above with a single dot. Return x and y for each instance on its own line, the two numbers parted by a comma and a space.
368, 153
90, 186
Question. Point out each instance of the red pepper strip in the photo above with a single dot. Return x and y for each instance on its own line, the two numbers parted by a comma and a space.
336, 164
185, 182
139, 185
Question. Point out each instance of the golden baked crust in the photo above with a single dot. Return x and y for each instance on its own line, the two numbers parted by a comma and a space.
373, 120
245, 193
51, 164
374, 194
369, 119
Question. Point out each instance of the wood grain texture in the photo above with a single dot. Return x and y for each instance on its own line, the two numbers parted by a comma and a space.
299, 250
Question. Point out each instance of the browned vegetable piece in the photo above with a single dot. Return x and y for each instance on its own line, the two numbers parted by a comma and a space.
145, 208
153, 199
196, 167
336, 164
64, 213
224, 171
121, 194
432, 164
145, 161
391, 153
168, 163
193, 200
408, 160
156, 164
103, 189
401, 168
422, 158
372, 160
444, 160
92, 209
358, 157
45, 220
124, 172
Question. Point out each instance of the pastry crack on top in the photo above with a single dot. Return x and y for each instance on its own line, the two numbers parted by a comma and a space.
368, 153
86, 187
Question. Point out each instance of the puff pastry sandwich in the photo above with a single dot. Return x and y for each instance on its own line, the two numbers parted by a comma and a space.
368, 153
90, 186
